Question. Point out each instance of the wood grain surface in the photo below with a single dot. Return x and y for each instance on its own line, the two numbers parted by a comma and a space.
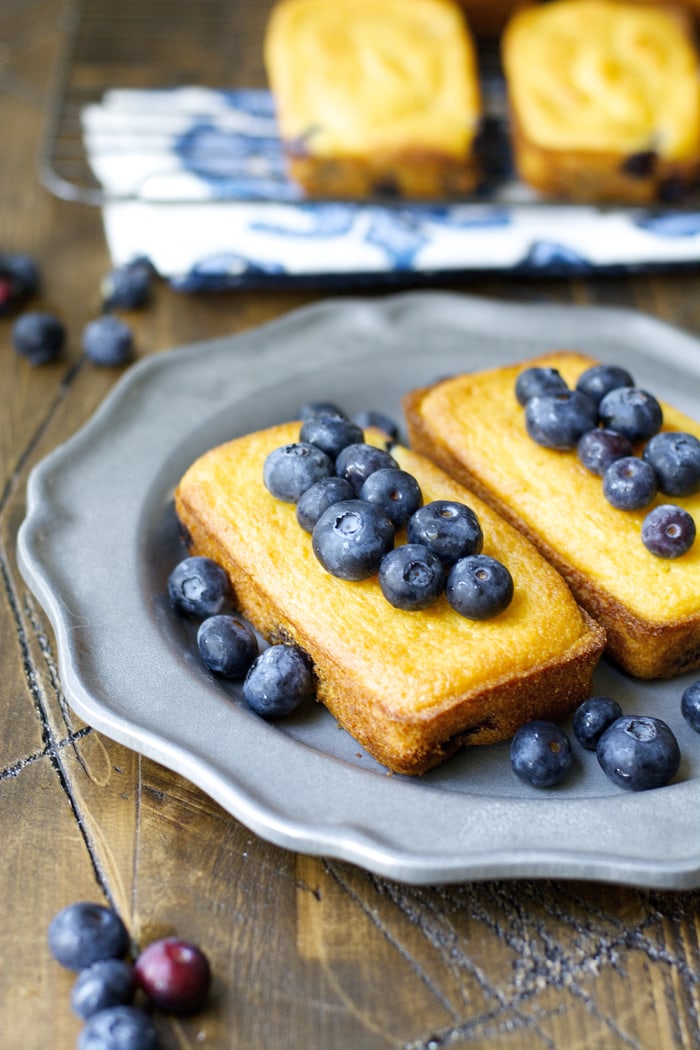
307, 953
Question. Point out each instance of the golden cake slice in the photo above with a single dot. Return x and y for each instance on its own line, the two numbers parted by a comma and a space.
474, 428
411, 687
375, 96
604, 100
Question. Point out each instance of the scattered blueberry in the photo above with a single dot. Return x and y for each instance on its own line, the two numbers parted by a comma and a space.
127, 287
107, 982
559, 420
668, 531
592, 718
541, 754
119, 1028
629, 483
108, 342
351, 538
227, 645
279, 680
319, 497
357, 462
451, 529
198, 587
311, 409
174, 974
290, 470
19, 279
394, 491
39, 337
82, 933
632, 412
690, 705
638, 752
371, 418
599, 380
411, 577
675, 457
598, 448
537, 381
330, 433
479, 587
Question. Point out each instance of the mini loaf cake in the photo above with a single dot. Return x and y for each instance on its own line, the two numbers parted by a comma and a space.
474, 428
375, 97
604, 100
411, 687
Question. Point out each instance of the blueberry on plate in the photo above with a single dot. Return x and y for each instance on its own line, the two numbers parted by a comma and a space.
330, 433
394, 491
479, 587
638, 752
351, 538
541, 754
319, 497
411, 577
279, 680
592, 718
127, 287
108, 342
288, 471
39, 337
675, 457
690, 705
668, 531
227, 645
451, 529
558, 421
174, 974
119, 1028
536, 381
598, 448
629, 483
107, 982
82, 933
357, 462
198, 587
380, 421
599, 380
632, 412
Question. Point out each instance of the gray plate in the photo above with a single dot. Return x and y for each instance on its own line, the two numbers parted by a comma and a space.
99, 541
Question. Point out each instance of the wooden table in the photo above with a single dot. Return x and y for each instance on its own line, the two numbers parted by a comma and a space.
307, 953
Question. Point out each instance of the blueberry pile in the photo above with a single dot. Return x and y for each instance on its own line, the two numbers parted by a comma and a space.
171, 974
635, 752
353, 498
605, 418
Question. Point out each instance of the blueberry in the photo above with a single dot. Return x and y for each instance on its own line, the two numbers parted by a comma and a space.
592, 718
632, 412
559, 420
119, 1028
330, 433
279, 680
108, 342
107, 982
311, 409
227, 645
127, 287
19, 279
599, 380
371, 418
479, 587
690, 705
629, 483
638, 752
537, 381
451, 529
668, 531
357, 462
82, 933
411, 577
598, 448
174, 974
675, 457
290, 470
395, 491
351, 538
198, 587
319, 497
541, 754
39, 337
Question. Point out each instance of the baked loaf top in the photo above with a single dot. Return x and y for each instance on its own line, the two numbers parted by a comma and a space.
353, 77
605, 76
473, 426
411, 686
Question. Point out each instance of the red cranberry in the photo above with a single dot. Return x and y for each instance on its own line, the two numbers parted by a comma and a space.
174, 974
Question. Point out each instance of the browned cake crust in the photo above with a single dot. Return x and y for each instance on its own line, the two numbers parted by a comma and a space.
646, 646
410, 687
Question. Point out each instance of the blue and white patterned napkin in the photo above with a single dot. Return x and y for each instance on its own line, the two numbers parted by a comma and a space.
195, 181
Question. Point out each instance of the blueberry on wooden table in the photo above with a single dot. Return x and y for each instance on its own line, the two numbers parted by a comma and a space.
638, 752
119, 1028
540, 753
19, 279
198, 587
39, 337
82, 933
279, 680
690, 705
108, 342
107, 982
174, 974
127, 287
